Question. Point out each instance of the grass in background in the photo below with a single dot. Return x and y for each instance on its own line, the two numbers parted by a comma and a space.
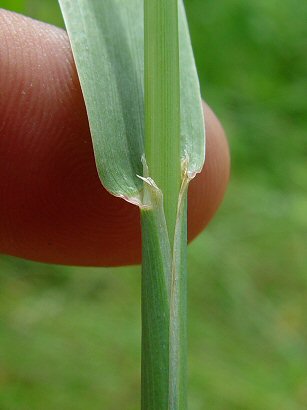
70, 337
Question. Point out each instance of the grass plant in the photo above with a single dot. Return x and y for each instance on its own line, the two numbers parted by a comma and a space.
70, 336
154, 123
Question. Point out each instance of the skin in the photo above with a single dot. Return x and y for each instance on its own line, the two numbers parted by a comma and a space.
53, 207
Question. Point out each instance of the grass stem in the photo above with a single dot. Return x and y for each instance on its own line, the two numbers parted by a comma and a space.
164, 225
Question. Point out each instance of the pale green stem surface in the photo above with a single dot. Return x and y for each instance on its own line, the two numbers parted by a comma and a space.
155, 314
162, 102
164, 225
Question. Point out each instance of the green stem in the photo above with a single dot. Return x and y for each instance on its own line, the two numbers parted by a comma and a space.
164, 223
178, 312
155, 315
162, 102
164, 307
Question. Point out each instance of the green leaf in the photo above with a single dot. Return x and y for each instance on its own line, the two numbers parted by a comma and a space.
107, 39
192, 128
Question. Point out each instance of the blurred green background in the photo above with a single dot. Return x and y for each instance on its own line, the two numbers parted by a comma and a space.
70, 337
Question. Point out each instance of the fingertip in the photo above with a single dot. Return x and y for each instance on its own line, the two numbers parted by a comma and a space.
53, 208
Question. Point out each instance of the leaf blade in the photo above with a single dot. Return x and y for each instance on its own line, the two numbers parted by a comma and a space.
101, 39
107, 39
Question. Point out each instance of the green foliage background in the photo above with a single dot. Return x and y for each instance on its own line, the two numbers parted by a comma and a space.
70, 337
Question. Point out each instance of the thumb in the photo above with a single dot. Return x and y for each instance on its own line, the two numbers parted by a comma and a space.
52, 205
